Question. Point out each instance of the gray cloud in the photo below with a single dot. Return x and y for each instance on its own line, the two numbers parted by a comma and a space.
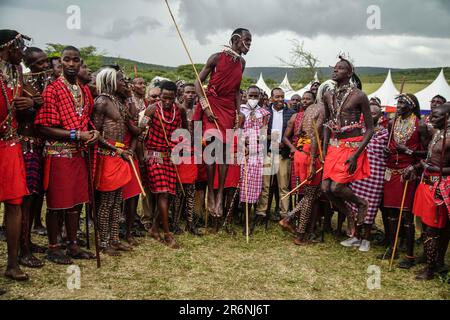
311, 18
122, 28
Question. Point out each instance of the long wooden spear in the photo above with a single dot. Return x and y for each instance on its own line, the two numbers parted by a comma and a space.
192, 61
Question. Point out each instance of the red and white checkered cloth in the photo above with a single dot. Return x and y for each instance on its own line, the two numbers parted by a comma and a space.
372, 188
252, 186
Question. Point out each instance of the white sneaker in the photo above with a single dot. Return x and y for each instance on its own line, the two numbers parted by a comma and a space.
365, 246
351, 242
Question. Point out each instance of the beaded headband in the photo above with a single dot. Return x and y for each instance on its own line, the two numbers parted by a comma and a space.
408, 99
19, 39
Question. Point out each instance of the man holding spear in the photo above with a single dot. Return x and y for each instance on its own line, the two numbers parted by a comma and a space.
404, 150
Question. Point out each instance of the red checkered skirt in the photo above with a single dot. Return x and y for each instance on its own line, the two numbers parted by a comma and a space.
162, 177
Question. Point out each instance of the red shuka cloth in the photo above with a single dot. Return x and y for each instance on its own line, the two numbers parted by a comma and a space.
302, 162
223, 87
112, 173
67, 182
394, 188
132, 188
335, 167
13, 184
425, 207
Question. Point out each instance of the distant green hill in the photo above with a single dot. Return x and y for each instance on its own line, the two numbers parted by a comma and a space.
274, 75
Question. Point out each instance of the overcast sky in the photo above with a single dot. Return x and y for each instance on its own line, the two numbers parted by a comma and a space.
414, 33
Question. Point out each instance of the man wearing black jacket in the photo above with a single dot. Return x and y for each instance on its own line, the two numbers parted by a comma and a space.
277, 160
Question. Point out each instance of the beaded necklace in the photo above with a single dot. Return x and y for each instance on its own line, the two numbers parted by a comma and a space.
438, 135
229, 51
162, 113
121, 107
7, 124
77, 95
340, 96
38, 80
404, 129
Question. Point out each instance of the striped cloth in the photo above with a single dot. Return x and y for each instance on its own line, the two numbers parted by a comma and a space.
252, 186
372, 188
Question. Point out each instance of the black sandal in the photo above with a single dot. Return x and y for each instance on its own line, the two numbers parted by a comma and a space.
31, 261
58, 257
80, 255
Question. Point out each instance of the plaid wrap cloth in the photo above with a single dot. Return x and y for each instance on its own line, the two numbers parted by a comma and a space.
444, 188
252, 129
161, 172
58, 110
372, 188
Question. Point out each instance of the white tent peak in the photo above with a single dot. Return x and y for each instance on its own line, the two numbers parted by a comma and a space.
387, 93
439, 86
262, 85
285, 85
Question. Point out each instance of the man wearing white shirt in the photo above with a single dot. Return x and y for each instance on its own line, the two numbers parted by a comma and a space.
277, 162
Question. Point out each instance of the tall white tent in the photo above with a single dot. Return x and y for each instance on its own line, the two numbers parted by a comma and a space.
286, 86
262, 85
387, 92
440, 86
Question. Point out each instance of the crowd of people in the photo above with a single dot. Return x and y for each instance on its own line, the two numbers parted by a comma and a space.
102, 142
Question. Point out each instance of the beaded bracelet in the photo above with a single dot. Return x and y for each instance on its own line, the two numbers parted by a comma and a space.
72, 134
204, 103
78, 137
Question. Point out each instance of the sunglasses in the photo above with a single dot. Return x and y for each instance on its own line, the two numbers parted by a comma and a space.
154, 96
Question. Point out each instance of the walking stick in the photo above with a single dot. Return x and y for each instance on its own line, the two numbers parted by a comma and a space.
206, 211
130, 159
441, 173
398, 226
300, 185
88, 212
246, 198
272, 177
94, 210
192, 62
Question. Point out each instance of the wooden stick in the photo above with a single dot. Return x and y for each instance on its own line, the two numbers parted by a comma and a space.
300, 185
206, 211
137, 176
192, 62
398, 226
246, 199
319, 143
94, 209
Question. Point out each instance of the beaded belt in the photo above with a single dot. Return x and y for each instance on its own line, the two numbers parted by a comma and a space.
9, 142
156, 156
62, 149
344, 144
397, 172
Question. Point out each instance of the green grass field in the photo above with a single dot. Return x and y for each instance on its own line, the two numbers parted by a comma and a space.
226, 267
